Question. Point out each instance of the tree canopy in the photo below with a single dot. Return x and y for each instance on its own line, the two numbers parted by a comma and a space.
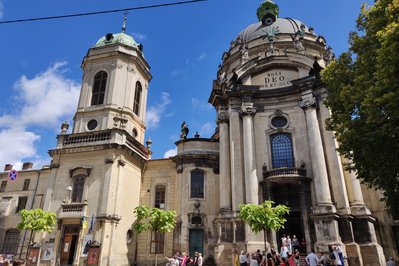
363, 96
264, 217
154, 219
37, 220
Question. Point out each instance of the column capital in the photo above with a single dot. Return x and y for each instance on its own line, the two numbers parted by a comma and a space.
223, 117
308, 102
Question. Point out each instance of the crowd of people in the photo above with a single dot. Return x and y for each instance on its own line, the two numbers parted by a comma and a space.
185, 260
273, 258
7, 262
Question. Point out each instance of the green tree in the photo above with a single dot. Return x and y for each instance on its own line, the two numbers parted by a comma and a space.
154, 220
363, 96
264, 217
35, 221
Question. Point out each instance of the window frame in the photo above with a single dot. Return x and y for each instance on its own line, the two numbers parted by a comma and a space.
162, 200
137, 98
278, 153
201, 191
22, 201
3, 185
157, 245
78, 188
26, 184
11, 243
98, 92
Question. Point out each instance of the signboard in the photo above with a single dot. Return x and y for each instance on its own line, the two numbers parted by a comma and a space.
93, 255
33, 256
13, 175
273, 79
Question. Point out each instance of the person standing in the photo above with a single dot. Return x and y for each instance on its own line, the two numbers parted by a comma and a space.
243, 258
200, 259
295, 243
312, 259
289, 244
391, 262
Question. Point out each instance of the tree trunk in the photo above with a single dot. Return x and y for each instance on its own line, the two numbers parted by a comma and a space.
29, 243
265, 239
156, 258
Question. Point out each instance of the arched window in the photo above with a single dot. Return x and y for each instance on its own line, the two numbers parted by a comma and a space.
160, 197
77, 189
137, 97
197, 184
10, 243
100, 82
282, 153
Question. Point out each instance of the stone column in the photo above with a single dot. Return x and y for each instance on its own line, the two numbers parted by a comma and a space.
320, 177
324, 212
224, 155
251, 177
236, 160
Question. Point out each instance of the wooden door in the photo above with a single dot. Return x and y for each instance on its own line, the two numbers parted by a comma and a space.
66, 248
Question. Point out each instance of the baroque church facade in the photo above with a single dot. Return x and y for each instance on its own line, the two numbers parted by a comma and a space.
270, 143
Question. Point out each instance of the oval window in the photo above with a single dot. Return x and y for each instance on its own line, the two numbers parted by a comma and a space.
279, 121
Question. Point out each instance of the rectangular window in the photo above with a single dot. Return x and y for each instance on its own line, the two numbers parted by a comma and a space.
21, 203
160, 197
26, 184
10, 243
227, 232
157, 242
240, 231
197, 185
3, 186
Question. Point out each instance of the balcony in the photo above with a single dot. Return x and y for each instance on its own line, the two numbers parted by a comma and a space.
73, 210
285, 175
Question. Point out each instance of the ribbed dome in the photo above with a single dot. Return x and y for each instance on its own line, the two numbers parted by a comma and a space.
117, 38
280, 26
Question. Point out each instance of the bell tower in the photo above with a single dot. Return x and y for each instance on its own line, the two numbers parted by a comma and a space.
114, 86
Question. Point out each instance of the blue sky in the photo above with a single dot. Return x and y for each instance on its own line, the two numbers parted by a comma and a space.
40, 71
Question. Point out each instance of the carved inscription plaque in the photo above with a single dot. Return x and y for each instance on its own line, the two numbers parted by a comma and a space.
273, 79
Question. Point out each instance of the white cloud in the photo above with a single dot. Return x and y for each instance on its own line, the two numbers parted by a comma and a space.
201, 57
197, 104
16, 144
44, 101
139, 36
1, 10
154, 113
207, 129
170, 153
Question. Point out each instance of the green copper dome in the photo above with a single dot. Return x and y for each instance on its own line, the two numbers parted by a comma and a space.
122, 38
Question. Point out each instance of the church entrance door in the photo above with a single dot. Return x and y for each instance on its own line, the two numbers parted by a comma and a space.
69, 243
196, 241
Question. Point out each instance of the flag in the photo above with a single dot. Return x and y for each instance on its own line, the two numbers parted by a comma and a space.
84, 222
92, 223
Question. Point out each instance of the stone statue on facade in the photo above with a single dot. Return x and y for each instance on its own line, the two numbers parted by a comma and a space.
184, 130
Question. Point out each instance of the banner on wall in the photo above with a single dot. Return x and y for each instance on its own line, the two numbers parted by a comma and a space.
48, 251
87, 241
